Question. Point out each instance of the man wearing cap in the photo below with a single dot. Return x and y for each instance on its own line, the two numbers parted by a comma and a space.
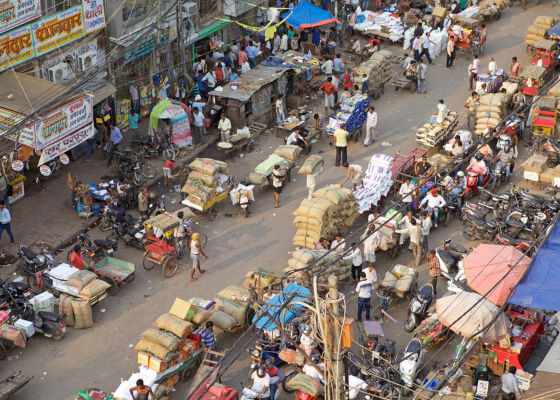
433, 201
196, 252
198, 103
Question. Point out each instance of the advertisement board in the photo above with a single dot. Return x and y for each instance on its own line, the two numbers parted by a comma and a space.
94, 15
69, 142
8, 119
15, 13
58, 30
16, 47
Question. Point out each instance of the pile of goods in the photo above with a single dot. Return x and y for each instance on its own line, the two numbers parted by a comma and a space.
400, 279
377, 183
165, 350
492, 82
311, 165
82, 190
303, 258
535, 166
241, 134
291, 122
286, 156
489, 8
241, 190
431, 133
378, 69
386, 25
222, 320
511, 88
229, 310
352, 113
539, 29
204, 182
437, 37
555, 90
491, 110
331, 210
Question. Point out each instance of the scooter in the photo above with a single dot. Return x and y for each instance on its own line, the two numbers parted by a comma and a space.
413, 359
47, 323
418, 307
473, 189
96, 251
29, 262
451, 260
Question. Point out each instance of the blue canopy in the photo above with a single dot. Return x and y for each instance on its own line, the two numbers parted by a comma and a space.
286, 315
555, 30
540, 287
307, 15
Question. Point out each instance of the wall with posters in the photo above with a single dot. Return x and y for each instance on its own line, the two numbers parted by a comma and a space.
14, 13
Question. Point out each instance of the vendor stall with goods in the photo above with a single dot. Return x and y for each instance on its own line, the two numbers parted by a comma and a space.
177, 113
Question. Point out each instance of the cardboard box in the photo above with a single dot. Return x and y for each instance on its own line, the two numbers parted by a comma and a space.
26, 326
524, 379
143, 359
157, 365
183, 309
440, 12
189, 348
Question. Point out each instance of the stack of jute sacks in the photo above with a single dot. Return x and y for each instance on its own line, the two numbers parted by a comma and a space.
491, 110
203, 182
324, 263
534, 166
490, 8
539, 29
286, 156
378, 69
331, 210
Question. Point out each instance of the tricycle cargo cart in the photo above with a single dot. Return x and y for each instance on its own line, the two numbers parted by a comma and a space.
12, 384
544, 116
403, 83
238, 143
469, 40
158, 250
537, 77
398, 283
115, 272
213, 206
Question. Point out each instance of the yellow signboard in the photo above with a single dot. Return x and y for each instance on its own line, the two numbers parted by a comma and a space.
58, 30
16, 47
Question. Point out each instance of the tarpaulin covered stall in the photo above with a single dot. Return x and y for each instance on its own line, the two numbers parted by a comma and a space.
306, 15
287, 314
540, 287
179, 117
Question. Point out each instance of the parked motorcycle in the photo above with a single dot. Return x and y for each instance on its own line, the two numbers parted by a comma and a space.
107, 219
12, 291
130, 236
451, 260
491, 199
418, 307
552, 151
130, 167
29, 262
473, 209
520, 244
47, 323
500, 176
382, 377
158, 143
98, 250
413, 358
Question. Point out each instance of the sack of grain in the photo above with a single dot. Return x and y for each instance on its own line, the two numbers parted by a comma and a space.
296, 264
547, 176
230, 308
173, 324
94, 288
289, 152
261, 276
309, 256
306, 384
201, 316
198, 189
208, 180
545, 21
222, 320
315, 208
155, 349
308, 221
536, 30
163, 338
535, 163
206, 166
80, 279
313, 234
335, 196
13, 334
65, 307
257, 179
83, 318
311, 165
389, 280
404, 283
223, 168
233, 293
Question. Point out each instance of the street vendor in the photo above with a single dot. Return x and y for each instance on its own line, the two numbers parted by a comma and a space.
224, 126
373, 46
317, 121
354, 46
76, 193
423, 169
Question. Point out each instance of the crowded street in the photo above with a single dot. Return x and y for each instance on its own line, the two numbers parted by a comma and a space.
105, 354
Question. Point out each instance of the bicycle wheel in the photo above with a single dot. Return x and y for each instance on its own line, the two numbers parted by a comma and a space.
203, 239
214, 211
148, 264
148, 169
169, 266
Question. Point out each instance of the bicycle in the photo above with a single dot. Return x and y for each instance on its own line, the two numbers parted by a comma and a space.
54, 171
148, 169
202, 239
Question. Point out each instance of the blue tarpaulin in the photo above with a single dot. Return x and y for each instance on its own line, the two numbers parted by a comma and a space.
306, 15
286, 315
555, 30
540, 287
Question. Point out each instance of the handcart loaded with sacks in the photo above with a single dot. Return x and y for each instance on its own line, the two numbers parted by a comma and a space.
285, 156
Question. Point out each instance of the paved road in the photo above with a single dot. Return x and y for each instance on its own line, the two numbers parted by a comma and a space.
101, 356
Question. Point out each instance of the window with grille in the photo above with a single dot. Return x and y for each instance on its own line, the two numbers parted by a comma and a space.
50, 7
207, 6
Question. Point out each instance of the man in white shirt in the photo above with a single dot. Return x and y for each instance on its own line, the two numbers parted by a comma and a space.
492, 67
371, 275
406, 194
407, 61
539, 61
404, 223
415, 233
355, 255
198, 126
327, 67
310, 371
510, 385
280, 110
307, 342
224, 126
357, 385
433, 201
371, 123
260, 382
339, 243
364, 289
473, 71
311, 181
426, 224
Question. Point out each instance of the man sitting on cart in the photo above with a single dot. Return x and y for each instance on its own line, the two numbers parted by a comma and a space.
423, 169
412, 71
298, 138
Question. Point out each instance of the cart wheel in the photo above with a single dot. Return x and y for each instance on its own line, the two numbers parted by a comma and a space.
413, 87
248, 320
308, 148
169, 266
188, 372
376, 314
114, 288
3, 351
469, 52
395, 252
148, 264
214, 211
131, 277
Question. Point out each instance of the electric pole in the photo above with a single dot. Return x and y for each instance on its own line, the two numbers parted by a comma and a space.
157, 53
335, 331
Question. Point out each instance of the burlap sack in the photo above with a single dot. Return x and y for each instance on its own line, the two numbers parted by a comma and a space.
222, 320
289, 152
233, 293
307, 384
163, 338
80, 279
83, 318
93, 288
257, 179
206, 166
311, 165
155, 349
296, 264
231, 308
65, 307
317, 209
201, 316
535, 163
208, 180
173, 324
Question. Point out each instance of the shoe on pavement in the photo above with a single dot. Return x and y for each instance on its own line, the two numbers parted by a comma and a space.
87, 160
435, 225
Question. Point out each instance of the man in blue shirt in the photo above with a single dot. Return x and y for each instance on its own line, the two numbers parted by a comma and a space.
5, 219
114, 139
230, 75
365, 84
316, 36
198, 103
201, 84
338, 65
207, 337
225, 59
251, 52
133, 123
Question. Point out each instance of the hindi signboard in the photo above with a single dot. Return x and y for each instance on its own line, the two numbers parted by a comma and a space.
69, 142
16, 47
58, 30
14, 13
94, 15
8, 119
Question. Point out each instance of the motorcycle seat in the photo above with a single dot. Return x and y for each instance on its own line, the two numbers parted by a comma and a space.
489, 192
425, 292
534, 197
457, 248
132, 232
555, 146
124, 157
48, 316
413, 346
18, 286
514, 224
29, 254
103, 243
476, 220
446, 257
512, 241
532, 205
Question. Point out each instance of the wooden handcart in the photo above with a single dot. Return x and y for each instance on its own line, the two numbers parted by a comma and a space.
403, 83
12, 384
255, 129
115, 272
158, 250
211, 358
390, 294
213, 206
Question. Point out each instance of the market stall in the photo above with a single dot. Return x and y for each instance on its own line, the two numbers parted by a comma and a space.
167, 110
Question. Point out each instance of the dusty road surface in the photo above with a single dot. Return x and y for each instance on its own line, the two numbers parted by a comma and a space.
103, 355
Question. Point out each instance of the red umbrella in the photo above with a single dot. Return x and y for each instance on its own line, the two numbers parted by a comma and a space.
488, 264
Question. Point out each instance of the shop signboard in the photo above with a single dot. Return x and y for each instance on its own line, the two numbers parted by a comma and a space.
8, 119
94, 15
14, 13
16, 47
144, 48
58, 30
62, 122
69, 142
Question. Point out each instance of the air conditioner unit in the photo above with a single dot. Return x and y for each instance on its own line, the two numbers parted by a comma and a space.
87, 60
58, 72
189, 9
